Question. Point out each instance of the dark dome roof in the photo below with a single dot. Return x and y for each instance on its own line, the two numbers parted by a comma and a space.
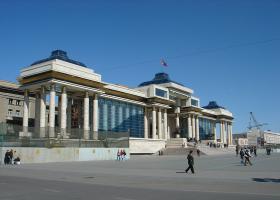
61, 55
159, 79
213, 105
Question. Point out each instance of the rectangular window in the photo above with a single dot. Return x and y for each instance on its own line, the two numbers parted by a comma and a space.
161, 93
10, 101
18, 102
10, 111
17, 112
194, 102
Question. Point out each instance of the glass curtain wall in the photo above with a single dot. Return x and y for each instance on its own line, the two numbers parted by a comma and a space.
206, 129
184, 127
118, 116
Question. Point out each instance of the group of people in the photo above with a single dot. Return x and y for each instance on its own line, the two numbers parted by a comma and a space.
121, 154
11, 157
245, 156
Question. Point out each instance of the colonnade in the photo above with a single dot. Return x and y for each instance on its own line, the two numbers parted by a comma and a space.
226, 132
159, 123
193, 126
65, 114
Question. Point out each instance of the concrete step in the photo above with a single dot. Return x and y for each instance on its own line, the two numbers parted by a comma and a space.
216, 151
179, 151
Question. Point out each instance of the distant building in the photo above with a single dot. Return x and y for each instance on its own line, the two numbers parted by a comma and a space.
11, 104
256, 137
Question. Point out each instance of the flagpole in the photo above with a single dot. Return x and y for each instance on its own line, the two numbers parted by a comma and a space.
163, 65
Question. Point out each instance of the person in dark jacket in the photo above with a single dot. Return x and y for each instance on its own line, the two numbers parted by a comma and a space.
7, 158
190, 162
198, 152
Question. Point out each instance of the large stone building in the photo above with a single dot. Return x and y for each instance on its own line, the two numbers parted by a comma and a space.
152, 113
11, 104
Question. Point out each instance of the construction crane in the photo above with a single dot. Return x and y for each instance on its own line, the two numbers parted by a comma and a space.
256, 124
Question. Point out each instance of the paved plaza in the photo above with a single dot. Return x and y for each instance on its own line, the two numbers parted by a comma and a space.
144, 177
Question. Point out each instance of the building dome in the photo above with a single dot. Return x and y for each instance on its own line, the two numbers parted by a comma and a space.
60, 55
213, 105
159, 78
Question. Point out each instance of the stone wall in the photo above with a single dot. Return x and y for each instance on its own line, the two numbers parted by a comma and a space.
145, 146
43, 155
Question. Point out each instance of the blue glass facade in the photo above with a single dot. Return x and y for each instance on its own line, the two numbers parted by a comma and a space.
206, 129
184, 128
118, 116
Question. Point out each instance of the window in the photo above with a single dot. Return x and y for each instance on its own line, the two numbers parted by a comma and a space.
161, 93
17, 112
10, 111
194, 102
10, 101
18, 102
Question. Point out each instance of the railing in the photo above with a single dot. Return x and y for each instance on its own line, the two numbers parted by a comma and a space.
12, 135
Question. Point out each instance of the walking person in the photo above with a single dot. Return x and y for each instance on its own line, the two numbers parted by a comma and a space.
247, 156
242, 155
198, 152
255, 151
237, 150
190, 162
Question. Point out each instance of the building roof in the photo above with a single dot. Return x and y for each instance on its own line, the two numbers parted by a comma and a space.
213, 105
61, 55
159, 79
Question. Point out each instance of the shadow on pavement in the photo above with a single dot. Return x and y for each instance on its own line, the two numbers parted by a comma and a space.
264, 180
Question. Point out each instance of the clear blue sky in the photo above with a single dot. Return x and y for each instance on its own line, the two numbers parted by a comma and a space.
228, 51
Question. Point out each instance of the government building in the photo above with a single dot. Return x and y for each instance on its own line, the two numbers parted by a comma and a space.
68, 100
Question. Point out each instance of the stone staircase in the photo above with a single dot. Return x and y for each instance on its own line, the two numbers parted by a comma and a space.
216, 151
176, 143
180, 146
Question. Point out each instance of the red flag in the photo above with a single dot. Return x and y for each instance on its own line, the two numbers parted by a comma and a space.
163, 63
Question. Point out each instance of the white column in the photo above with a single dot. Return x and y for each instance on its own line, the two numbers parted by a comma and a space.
43, 108
95, 117
63, 114
165, 124
222, 131
159, 124
190, 135
146, 123
69, 114
230, 134
52, 111
37, 113
215, 131
177, 125
226, 132
25, 111
86, 116
177, 121
154, 125
43, 112
59, 110
197, 129
193, 127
